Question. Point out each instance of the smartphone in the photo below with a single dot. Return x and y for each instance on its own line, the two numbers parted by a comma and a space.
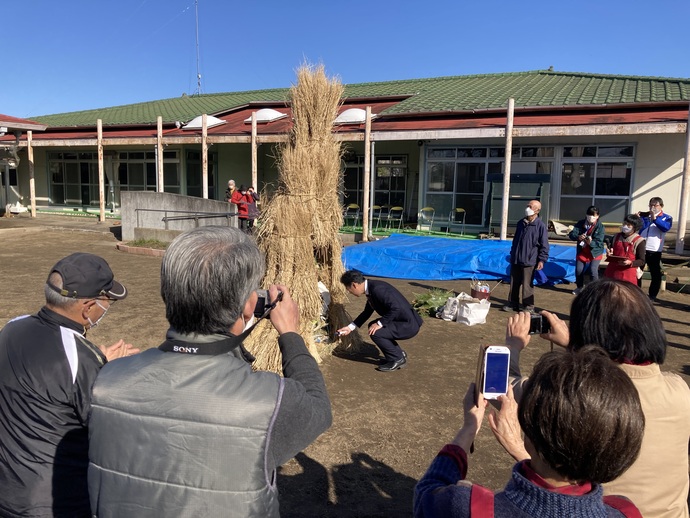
495, 372
264, 304
539, 324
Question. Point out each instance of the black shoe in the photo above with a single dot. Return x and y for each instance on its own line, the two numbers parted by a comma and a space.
392, 366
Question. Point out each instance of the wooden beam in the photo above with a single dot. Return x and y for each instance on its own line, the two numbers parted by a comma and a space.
204, 156
600, 129
506, 171
684, 194
101, 175
466, 133
32, 173
367, 176
255, 153
159, 154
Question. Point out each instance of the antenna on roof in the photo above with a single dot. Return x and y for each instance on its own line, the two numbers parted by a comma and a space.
198, 73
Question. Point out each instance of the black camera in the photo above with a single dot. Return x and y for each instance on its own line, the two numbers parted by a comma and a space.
264, 304
539, 324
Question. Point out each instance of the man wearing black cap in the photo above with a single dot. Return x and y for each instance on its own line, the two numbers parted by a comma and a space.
47, 369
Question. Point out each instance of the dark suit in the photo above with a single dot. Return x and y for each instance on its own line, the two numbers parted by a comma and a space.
398, 318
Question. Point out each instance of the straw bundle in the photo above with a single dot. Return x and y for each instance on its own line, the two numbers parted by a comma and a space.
298, 229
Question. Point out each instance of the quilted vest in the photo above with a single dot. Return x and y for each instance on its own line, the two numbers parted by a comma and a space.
182, 435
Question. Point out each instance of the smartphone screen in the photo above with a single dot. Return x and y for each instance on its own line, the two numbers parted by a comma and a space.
496, 374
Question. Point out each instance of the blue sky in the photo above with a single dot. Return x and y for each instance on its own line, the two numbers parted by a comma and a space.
83, 54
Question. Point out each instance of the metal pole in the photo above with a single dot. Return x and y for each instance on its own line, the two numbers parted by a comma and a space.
506, 172
684, 192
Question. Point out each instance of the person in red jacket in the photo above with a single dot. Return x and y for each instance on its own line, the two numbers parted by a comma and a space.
239, 198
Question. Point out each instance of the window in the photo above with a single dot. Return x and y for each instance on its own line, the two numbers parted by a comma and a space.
194, 174
601, 176
73, 176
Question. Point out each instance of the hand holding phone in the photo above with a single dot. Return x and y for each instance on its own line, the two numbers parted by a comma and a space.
495, 371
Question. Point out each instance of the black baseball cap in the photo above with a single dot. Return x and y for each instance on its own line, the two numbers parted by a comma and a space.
86, 276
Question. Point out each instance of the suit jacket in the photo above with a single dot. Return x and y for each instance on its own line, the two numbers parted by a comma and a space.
395, 311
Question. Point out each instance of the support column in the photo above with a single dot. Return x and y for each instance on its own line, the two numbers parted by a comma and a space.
32, 173
159, 154
204, 155
506, 172
367, 175
255, 150
101, 173
684, 193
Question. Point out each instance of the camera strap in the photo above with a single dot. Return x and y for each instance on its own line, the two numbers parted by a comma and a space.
214, 348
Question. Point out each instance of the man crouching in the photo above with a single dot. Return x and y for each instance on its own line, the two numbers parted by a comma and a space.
188, 428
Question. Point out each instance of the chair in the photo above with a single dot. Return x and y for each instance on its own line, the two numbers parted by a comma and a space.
425, 219
375, 216
351, 212
395, 214
456, 218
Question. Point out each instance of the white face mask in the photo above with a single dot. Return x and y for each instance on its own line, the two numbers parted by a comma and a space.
656, 209
529, 212
592, 219
248, 324
626, 229
94, 324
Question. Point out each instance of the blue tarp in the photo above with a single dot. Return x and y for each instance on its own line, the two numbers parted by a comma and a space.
442, 259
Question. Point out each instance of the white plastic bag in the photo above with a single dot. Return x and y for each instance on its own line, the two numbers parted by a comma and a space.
472, 311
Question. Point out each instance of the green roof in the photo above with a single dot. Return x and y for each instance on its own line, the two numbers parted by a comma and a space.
540, 88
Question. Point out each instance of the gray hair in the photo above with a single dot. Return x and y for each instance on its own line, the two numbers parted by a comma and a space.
231, 183
53, 298
207, 275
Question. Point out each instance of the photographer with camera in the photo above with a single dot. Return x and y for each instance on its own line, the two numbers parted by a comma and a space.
618, 317
197, 429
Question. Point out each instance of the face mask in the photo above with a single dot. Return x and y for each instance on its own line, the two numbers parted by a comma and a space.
626, 229
656, 209
247, 324
94, 324
592, 219
529, 212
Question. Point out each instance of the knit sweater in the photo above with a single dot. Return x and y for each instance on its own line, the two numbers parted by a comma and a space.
438, 495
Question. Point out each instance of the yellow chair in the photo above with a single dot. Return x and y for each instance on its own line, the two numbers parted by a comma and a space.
456, 218
351, 212
425, 219
395, 214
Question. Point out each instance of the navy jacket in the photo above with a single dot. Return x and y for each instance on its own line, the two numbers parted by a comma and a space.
530, 244
395, 310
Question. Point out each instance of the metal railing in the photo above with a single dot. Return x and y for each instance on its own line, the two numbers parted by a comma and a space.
185, 215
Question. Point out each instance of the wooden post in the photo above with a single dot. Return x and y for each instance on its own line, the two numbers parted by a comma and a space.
101, 175
159, 154
684, 193
506, 172
32, 175
255, 150
204, 155
367, 175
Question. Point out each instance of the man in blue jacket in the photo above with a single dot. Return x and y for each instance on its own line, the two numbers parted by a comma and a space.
655, 224
528, 253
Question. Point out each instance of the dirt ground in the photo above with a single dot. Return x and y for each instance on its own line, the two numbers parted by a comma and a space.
387, 426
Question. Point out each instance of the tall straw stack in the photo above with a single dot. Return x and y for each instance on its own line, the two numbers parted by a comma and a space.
298, 229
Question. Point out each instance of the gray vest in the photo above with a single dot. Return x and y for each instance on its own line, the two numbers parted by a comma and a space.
180, 435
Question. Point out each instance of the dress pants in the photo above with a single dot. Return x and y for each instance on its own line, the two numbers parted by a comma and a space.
385, 339
521, 277
653, 260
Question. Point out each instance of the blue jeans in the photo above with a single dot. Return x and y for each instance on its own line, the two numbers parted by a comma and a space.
581, 268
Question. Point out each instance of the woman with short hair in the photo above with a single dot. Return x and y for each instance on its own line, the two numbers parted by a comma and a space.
589, 234
583, 426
